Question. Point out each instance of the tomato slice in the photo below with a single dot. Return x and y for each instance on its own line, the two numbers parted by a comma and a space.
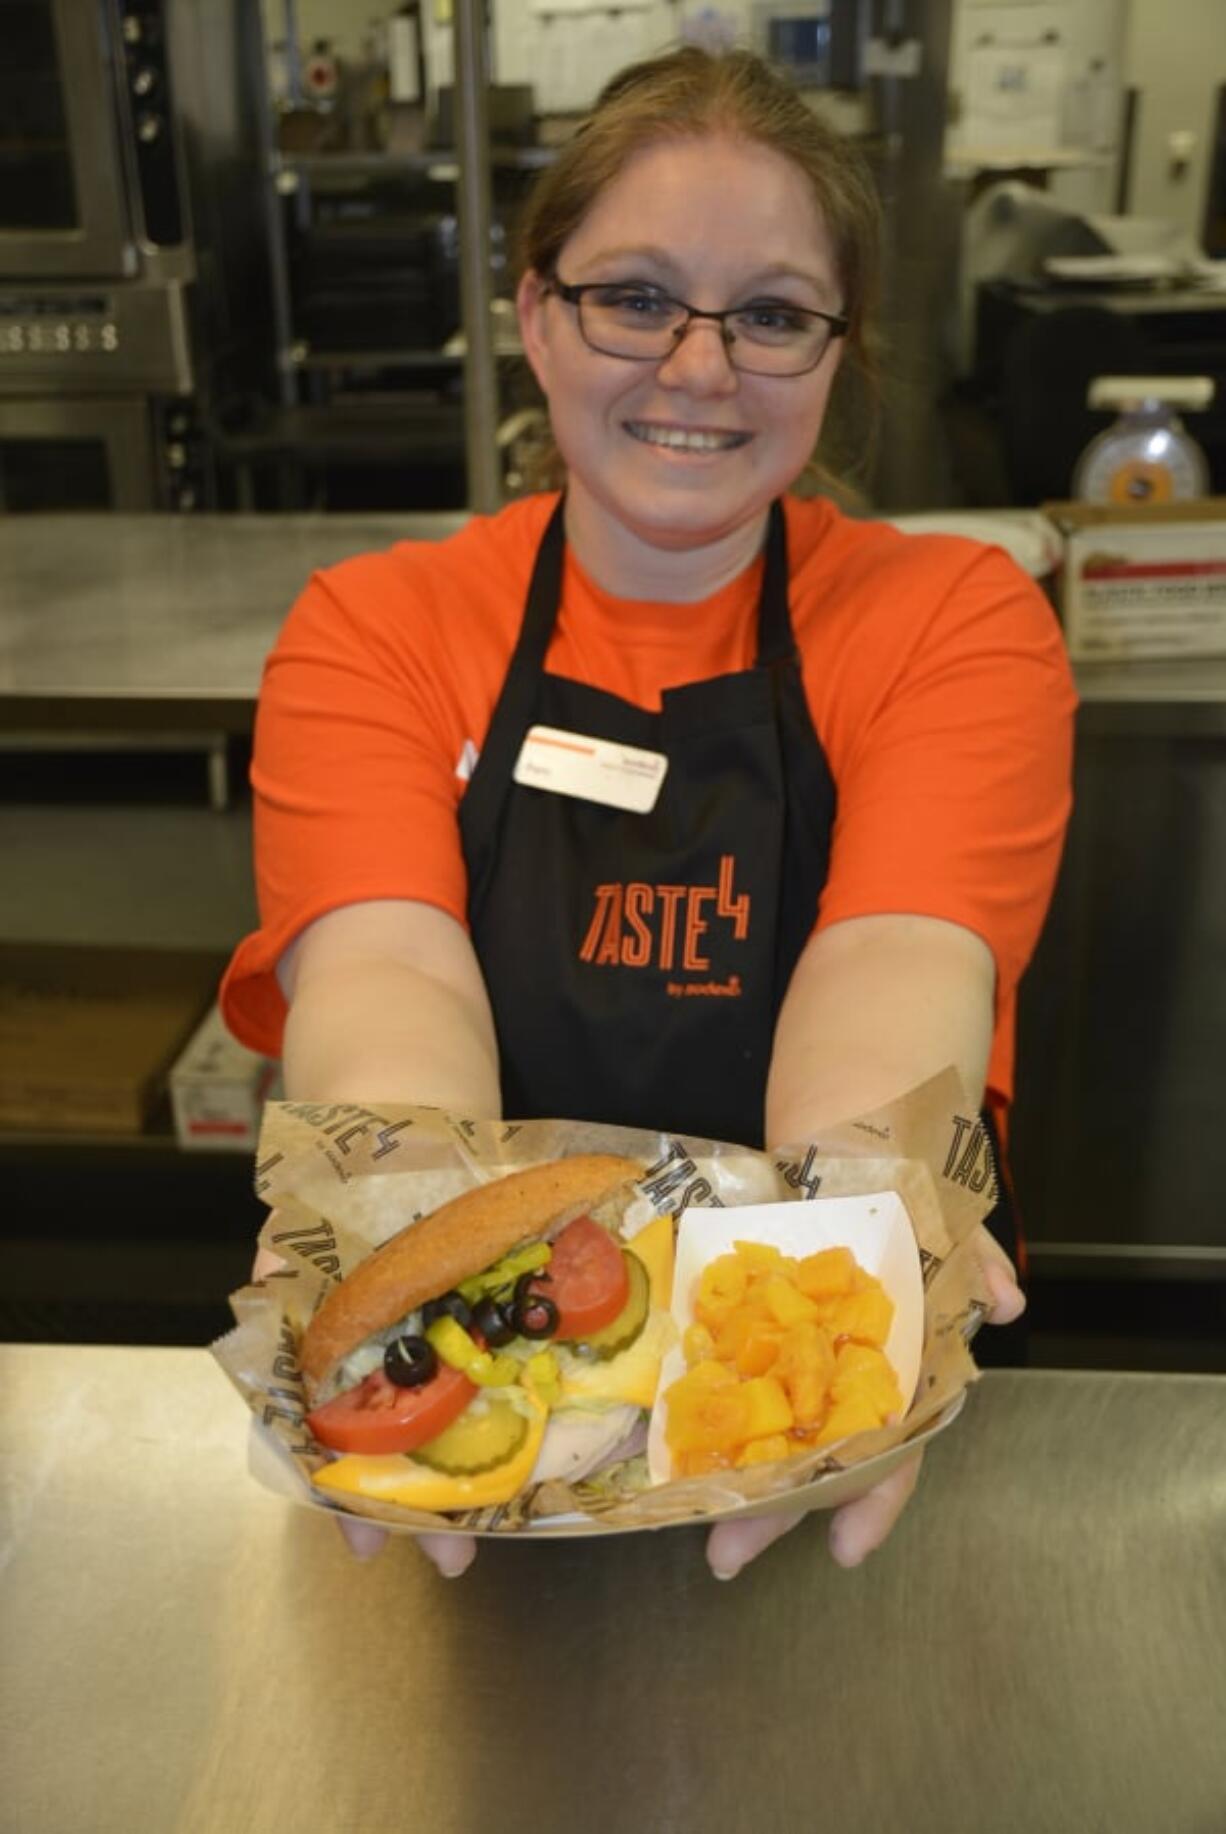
587, 1281
377, 1416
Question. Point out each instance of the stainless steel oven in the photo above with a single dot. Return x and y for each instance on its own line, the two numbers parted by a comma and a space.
91, 178
79, 453
133, 247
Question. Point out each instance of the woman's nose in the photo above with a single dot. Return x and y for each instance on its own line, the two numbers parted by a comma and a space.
700, 360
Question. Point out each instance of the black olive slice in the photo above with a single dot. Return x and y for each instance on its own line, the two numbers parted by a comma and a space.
409, 1362
450, 1305
533, 1314
493, 1322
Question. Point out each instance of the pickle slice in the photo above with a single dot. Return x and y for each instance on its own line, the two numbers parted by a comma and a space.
476, 1442
628, 1325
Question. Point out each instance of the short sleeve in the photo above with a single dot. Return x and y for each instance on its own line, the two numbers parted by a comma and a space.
353, 774
954, 787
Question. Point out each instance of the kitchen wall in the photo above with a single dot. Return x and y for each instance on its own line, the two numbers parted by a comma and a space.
1176, 55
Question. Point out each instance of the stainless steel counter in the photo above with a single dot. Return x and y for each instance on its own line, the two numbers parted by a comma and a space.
126, 620
1038, 1650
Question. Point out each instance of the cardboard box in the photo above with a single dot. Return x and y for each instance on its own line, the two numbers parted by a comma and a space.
87, 1036
1143, 582
218, 1089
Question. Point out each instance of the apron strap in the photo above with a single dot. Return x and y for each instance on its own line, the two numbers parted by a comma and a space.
775, 640
544, 595
514, 711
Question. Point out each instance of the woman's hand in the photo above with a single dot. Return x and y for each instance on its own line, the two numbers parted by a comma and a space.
860, 1527
451, 1554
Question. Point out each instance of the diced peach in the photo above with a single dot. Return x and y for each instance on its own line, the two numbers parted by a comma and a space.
705, 1375
862, 1373
769, 1408
697, 1344
759, 1349
845, 1418
805, 1365
866, 1316
827, 1274
785, 1304
764, 1451
721, 1287
706, 1415
733, 1330
762, 1255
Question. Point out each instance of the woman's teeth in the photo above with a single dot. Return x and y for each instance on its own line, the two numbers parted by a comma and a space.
683, 441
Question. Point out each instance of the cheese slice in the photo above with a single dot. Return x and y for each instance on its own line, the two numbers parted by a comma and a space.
397, 1478
633, 1377
654, 1248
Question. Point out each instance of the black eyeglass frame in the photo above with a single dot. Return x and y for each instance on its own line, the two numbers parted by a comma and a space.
838, 326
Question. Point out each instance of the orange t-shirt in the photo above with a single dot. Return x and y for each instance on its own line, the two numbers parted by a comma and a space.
934, 670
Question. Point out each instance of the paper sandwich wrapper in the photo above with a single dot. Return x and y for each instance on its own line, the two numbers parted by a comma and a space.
904, 1187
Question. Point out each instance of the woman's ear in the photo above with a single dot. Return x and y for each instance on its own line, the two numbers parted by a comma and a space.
530, 300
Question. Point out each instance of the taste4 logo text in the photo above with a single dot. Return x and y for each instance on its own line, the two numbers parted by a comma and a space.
637, 925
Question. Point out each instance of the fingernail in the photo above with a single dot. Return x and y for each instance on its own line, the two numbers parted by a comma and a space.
844, 1549
724, 1572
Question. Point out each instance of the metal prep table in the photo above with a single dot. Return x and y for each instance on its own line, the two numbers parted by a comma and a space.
150, 632
1039, 1649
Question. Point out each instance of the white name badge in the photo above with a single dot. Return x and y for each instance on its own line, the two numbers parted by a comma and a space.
596, 770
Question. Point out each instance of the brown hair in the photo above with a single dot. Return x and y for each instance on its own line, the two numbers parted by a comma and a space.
690, 92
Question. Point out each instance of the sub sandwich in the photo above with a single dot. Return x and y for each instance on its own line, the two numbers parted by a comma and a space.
514, 1334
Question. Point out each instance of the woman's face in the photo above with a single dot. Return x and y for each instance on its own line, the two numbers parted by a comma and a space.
716, 222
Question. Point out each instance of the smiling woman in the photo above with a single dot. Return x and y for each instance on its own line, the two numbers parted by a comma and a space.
688, 441
852, 745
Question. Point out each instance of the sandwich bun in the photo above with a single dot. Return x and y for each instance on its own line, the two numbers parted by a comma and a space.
460, 1238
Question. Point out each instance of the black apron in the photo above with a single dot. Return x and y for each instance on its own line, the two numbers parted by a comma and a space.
636, 963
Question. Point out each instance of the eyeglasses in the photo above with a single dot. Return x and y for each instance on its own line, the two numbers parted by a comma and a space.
644, 325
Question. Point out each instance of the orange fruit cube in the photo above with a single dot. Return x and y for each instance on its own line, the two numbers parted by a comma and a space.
763, 1256
707, 1411
866, 1316
845, 1418
785, 1304
827, 1274
764, 1451
862, 1372
769, 1408
697, 1344
805, 1365
758, 1350
721, 1287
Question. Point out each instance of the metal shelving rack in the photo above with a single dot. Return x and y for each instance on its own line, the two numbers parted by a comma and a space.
302, 426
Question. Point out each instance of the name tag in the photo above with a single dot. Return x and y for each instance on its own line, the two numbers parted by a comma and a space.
595, 770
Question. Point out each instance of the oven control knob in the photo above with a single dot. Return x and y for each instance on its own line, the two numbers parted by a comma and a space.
144, 81
149, 128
